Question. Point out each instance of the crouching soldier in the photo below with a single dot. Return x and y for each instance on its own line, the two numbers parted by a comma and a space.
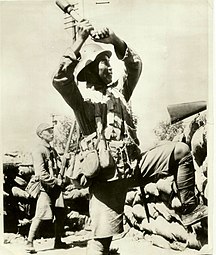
104, 111
50, 201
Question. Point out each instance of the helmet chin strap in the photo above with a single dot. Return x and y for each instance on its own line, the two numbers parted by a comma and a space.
94, 80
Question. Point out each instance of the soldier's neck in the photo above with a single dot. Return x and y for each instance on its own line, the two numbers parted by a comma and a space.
45, 143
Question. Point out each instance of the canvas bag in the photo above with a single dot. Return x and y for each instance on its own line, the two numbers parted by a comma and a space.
105, 158
86, 161
94, 156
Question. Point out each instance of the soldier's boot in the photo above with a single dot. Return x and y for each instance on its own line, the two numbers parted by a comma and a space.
61, 245
191, 212
30, 248
32, 233
99, 246
59, 229
200, 212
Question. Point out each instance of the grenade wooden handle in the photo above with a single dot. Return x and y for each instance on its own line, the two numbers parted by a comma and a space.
69, 9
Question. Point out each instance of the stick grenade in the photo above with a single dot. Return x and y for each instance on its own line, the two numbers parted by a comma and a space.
69, 9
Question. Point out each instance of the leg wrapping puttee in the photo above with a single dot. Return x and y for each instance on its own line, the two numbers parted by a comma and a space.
186, 180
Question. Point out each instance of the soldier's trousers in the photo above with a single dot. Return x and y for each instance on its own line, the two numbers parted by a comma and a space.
107, 199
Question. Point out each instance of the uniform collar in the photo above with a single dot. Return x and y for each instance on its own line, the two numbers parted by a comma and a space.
46, 144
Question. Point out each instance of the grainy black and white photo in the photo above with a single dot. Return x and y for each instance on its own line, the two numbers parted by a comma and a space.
106, 127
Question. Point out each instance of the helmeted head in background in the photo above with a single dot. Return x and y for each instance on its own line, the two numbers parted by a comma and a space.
94, 66
45, 132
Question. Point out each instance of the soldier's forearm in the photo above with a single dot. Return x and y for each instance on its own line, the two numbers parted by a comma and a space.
119, 46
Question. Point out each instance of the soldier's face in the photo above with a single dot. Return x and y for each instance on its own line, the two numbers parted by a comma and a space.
47, 135
105, 69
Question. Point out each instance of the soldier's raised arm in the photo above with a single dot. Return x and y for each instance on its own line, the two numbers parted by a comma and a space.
64, 80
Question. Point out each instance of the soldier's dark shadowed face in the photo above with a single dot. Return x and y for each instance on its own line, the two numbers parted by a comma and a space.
105, 69
47, 135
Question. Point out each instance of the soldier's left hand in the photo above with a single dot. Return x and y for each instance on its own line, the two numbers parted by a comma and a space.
104, 35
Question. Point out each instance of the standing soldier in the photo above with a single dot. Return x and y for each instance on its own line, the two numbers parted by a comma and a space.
50, 201
105, 111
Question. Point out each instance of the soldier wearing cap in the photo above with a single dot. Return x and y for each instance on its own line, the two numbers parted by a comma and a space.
50, 201
106, 103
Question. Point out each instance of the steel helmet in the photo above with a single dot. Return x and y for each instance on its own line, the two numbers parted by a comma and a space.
89, 54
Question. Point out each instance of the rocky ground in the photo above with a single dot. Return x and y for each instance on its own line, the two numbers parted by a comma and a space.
126, 244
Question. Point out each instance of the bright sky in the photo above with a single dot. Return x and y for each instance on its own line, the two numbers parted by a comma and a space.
171, 36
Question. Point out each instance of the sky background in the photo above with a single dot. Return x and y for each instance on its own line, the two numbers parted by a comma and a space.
171, 36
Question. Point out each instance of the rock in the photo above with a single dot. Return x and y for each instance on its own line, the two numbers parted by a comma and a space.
163, 210
148, 226
179, 232
160, 226
139, 212
152, 211
130, 197
13, 238
176, 203
151, 188
178, 246
158, 241
163, 228
129, 215
165, 184
135, 234
193, 242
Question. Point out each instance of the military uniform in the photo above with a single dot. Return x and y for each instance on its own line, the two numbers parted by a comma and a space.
108, 191
47, 164
50, 201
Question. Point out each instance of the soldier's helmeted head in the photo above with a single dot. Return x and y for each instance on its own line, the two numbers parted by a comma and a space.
94, 66
45, 132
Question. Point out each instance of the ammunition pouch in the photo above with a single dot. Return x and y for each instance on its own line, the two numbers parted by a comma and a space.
90, 160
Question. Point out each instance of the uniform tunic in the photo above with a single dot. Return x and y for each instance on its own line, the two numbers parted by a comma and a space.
46, 165
107, 199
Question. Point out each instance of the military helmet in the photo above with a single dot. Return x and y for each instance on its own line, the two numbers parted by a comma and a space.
42, 127
89, 53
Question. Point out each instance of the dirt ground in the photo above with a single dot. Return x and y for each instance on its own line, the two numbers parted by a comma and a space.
125, 246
